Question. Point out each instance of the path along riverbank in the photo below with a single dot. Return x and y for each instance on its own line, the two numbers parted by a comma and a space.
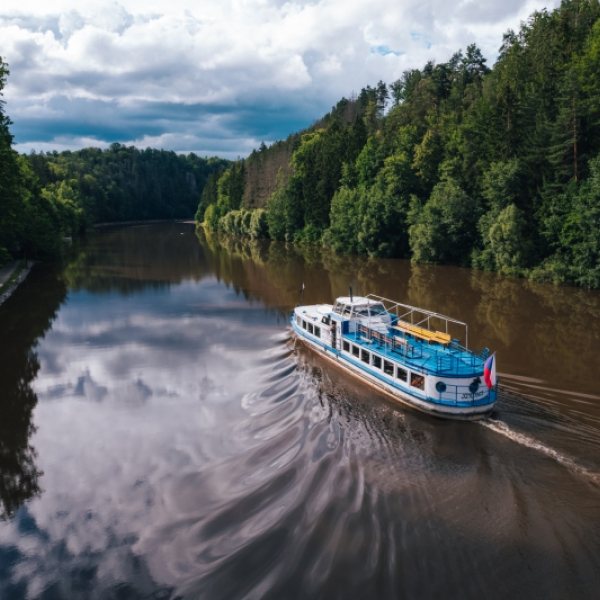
11, 275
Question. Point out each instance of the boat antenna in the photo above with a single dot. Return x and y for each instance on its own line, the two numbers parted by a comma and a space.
351, 299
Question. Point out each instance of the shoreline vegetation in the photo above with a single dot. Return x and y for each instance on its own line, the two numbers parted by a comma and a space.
496, 169
456, 163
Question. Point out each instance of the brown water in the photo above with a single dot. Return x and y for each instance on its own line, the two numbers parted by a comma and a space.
161, 435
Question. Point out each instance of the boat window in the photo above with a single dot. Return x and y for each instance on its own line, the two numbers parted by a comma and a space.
303, 324
362, 311
337, 308
347, 310
417, 381
401, 373
377, 361
346, 346
377, 309
326, 319
310, 328
365, 356
318, 331
355, 350
388, 368
298, 320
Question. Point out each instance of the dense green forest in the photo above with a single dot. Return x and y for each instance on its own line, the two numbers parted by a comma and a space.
48, 196
455, 163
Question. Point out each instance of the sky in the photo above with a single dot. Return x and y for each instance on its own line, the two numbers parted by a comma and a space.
218, 77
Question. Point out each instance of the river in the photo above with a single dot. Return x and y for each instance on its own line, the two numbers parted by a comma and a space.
163, 436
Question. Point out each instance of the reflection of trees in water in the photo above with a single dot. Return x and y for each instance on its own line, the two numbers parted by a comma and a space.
559, 326
275, 272
550, 329
24, 318
131, 259
502, 312
260, 270
18, 472
506, 306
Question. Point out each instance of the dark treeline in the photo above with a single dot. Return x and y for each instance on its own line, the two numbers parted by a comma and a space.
455, 163
48, 196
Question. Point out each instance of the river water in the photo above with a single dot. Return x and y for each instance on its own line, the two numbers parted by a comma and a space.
162, 436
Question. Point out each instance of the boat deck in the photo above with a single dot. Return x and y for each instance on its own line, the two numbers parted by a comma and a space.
436, 358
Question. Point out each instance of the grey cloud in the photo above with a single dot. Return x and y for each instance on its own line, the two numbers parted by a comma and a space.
489, 11
196, 83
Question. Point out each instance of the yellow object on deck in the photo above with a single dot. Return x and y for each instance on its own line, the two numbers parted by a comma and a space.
424, 334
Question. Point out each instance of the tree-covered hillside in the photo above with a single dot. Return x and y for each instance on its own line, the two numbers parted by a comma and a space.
455, 163
45, 197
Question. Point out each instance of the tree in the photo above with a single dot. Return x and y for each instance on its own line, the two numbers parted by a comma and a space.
276, 211
444, 230
11, 202
346, 219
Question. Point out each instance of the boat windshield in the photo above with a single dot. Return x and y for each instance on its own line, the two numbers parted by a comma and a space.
337, 308
362, 311
377, 310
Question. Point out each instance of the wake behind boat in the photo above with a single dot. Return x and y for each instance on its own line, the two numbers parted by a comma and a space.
392, 346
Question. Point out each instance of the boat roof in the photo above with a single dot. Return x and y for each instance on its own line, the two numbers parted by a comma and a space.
356, 300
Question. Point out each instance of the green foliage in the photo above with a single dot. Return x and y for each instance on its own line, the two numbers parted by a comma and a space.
11, 203
212, 216
276, 214
259, 225
346, 218
33, 219
501, 185
445, 229
506, 247
472, 165
237, 222
123, 183
373, 219
575, 232
369, 161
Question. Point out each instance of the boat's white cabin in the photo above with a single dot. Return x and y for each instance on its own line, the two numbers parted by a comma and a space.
371, 313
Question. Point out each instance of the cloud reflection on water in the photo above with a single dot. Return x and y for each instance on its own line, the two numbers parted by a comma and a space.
188, 450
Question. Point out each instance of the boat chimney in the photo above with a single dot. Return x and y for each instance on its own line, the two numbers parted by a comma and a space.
351, 299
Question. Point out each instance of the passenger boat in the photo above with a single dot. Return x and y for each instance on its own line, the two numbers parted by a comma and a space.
398, 349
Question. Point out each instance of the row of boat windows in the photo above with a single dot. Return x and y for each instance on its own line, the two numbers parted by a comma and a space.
366, 310
416, 380
312, 329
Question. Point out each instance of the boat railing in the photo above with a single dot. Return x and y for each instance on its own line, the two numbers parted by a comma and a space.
418, 316
464, 358
393, 342
452, 359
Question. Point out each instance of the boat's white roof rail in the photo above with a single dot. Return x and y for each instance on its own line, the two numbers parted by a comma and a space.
412, 309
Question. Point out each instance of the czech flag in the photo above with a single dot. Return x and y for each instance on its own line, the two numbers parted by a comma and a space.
489, 371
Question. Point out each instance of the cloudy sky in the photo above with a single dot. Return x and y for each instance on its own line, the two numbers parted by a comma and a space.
217, 77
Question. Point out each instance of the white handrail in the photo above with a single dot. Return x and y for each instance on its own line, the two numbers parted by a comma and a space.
423, 311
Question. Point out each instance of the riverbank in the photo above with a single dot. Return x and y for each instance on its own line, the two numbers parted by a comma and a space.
12, 274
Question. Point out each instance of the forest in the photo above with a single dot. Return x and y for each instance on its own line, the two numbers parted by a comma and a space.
47, 197
457, 163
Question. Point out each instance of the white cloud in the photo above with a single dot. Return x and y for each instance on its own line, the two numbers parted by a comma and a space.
229, 54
